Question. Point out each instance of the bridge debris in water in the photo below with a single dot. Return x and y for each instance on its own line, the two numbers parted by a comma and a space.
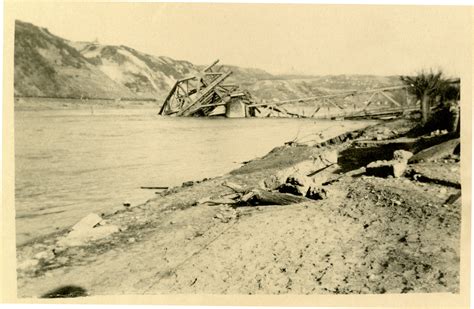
205, 94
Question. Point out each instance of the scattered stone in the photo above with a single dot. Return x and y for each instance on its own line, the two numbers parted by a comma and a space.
28, 265
297, 179
293, 189
58, 250
297, 184
113, 211
384, 168
317, 193
397, 202
439, 132
272, 182
354, 134
126, 205
374, 278
39, 246
402, 155
44, 255
62, 260
188, 184
222, 218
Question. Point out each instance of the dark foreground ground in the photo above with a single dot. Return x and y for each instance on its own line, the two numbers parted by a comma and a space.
370, 235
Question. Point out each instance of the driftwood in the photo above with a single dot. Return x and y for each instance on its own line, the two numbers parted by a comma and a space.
225, 199
262, 197
237, 188
155, 188
453, 198
254, 196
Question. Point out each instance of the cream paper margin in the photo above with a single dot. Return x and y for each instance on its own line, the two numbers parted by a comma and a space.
7, 212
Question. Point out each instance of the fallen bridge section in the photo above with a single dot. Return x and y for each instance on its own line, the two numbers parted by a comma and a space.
206, 94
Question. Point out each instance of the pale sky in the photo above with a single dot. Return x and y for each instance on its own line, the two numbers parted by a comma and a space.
279, 38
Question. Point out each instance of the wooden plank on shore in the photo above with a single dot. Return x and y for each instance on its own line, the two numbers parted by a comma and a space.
262, 197
154, 188
237, 188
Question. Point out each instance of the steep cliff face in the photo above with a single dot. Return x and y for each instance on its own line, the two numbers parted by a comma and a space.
46, 65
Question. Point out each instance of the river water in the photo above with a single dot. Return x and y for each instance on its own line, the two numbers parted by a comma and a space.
69, 163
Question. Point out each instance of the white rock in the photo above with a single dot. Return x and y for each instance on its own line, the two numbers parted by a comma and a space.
402, 155
87, 222
45, 255
62, 260
386, 168
28, 264
83, 236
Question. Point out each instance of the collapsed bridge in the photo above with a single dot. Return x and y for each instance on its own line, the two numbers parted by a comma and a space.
205, 94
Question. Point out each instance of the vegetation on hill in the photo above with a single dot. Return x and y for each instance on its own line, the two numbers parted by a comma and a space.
45, 65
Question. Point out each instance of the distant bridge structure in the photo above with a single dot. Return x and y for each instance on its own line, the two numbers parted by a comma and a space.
205, 94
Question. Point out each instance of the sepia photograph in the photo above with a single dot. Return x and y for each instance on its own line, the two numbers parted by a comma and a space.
253, 150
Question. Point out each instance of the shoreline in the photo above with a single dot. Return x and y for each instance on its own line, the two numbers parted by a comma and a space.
30, 228
171, 190
48, 104
164, 218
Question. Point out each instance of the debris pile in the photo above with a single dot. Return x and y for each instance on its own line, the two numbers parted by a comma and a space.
205, 94
295, 184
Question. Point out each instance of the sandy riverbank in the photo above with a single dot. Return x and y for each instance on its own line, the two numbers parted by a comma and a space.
371, 235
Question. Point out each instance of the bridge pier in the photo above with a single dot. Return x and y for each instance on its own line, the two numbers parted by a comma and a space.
235, 109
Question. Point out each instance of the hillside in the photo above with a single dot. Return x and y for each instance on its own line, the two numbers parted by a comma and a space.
144, 75
49, 66
45, 65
